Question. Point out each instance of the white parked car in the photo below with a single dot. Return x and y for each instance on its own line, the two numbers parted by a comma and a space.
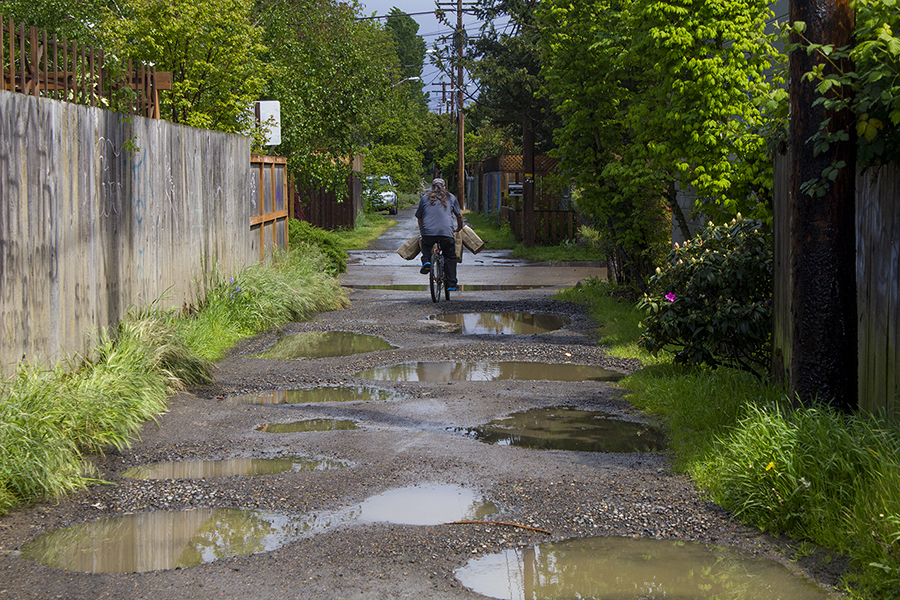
382, 193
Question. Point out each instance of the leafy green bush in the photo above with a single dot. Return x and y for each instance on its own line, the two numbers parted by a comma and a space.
301, 232
712, 304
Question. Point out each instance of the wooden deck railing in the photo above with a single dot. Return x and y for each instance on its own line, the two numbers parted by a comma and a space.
33, 63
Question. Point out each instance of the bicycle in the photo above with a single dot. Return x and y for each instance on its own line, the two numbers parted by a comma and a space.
436, 275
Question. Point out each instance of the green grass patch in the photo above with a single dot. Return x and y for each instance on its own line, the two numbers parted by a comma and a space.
820, 477
368, 227
500, 237
50, 418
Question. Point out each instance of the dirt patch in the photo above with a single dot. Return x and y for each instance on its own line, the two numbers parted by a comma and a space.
404, 441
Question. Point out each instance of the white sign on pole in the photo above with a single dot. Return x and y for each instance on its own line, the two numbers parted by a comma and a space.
265, 110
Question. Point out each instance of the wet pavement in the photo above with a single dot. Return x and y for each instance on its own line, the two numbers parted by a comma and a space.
381, 265
407, 500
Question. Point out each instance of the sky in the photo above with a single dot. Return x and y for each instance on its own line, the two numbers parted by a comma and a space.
430, 29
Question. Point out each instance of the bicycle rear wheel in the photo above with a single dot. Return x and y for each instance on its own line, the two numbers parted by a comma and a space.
436, 275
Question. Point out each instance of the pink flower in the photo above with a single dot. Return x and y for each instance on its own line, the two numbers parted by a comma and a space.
670, 297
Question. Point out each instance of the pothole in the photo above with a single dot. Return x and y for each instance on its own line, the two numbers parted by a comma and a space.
316, 395
203, 469
504, 323
610, 567
564, 428
153, 541
489, 371
308, 425
323, 344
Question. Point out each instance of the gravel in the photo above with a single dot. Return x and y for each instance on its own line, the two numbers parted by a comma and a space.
401, 442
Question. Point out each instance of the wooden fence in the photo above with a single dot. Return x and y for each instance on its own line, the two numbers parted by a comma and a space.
877, 285
878, 288
100, 214
268, 196
33, 63
550, 226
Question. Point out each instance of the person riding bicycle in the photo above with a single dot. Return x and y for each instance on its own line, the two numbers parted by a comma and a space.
435, 215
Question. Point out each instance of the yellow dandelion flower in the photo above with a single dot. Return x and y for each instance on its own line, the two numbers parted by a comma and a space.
770, 466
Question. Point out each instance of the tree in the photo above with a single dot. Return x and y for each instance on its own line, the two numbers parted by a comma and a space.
410, 53
328, 74
592, 88
507, 66
699, 117
68, 18
211, 48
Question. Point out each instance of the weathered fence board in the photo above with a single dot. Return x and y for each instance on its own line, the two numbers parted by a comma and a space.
878, 289
781, 266
89, 228
877, 285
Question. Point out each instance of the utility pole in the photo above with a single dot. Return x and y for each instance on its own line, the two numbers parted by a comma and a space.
823, 361
460, 140
459, 40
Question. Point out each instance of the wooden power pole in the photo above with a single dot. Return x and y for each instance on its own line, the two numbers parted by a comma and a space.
823, 361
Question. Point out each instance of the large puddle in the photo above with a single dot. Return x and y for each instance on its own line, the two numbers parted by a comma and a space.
504, 323
161, 540
489, 371
322, 344
426, 505
169, 539
605, 568
308, 425
314, 395
201, 469
563, 428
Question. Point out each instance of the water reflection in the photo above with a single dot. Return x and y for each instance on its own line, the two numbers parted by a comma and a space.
595, 568
563, 428
201, 469
309, 425
426, 505
489, 371
322, 344
161, 540
504, 323
318, 394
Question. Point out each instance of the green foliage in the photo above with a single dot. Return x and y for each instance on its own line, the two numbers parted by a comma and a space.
820, 475
210, 46
303, 233
712, 303
50, 418
71, 19
653, 95
864, 78
328, 72
813, 474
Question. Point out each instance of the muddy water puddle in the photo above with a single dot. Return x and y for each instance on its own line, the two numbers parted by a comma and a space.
564, 428
202, 469
168, 539
504, 323
316, 395
595, 568
161, 540
308, 425
489, 371
323, 344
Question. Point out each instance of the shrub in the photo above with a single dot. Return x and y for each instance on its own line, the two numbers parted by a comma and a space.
712, 304
301, 232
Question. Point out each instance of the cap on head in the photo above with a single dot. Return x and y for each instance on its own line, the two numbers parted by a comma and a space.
438, 181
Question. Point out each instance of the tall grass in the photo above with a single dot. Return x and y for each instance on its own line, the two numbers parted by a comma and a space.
50, 418
810, 473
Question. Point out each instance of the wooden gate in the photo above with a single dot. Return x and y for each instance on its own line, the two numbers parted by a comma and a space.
268, 194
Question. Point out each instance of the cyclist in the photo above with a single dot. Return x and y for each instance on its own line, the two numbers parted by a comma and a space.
435, 214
